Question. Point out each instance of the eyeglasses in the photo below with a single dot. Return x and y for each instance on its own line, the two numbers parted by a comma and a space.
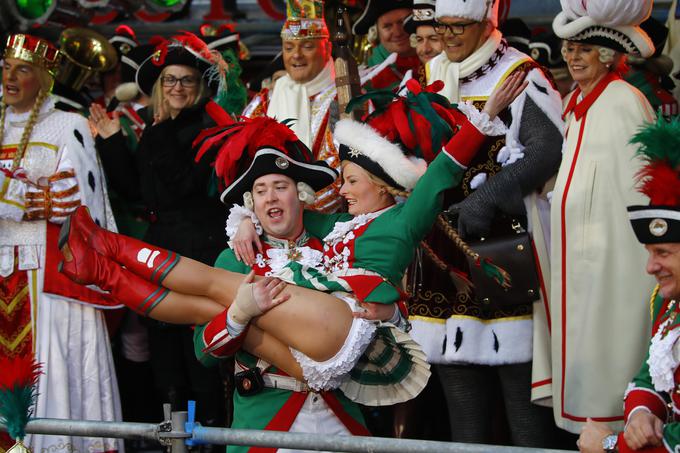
186, 81
455, 29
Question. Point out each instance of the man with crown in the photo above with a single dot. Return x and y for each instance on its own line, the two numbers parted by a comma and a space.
472, 341
48, 168
306, 94
652, 399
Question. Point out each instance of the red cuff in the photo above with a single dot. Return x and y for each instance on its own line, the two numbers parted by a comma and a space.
217, 339
464, 145
647, 398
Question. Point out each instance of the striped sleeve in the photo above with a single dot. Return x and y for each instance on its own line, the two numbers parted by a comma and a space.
58, 199
213, 342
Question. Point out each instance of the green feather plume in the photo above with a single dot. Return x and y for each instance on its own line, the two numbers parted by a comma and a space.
18, 379
232, 94
659, 142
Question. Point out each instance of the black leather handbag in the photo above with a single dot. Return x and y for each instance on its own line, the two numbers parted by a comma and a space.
514, 253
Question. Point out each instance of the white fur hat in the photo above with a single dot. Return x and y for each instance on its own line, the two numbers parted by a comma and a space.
477, 10
609, 23
363, 145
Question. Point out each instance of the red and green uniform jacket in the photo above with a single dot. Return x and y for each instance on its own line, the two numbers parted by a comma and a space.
271, 409
644, 392
370, 252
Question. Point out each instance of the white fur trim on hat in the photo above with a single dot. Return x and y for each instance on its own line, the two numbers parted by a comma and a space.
476, 10
371, 144
608, 18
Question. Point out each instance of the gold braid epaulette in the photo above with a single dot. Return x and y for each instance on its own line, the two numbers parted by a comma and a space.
651, 302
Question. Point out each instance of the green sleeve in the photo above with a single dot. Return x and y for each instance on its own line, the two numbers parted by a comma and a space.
319, 225
206, 360
226, 260
421, 208
671, 435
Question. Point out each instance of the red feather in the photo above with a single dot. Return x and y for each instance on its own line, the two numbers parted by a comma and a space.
126, 30
660, 183
156, 40
241, 141
18, 371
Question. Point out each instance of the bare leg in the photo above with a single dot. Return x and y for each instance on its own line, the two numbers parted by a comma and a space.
268, 348
311, 321
193, 277
299, 322
178, 308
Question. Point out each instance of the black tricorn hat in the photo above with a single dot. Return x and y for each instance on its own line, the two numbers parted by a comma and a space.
254, 147
269, 161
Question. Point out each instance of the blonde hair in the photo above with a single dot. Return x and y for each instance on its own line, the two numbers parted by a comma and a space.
158, 98
46, 82
393, 191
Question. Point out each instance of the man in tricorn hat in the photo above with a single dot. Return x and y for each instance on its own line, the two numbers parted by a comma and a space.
286, 179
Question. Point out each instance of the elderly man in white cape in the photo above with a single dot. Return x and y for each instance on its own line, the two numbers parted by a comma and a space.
505, 182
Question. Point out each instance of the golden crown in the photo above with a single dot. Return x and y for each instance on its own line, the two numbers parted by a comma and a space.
33, 50
304, 20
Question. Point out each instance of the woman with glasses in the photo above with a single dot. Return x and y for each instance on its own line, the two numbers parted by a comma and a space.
182, 207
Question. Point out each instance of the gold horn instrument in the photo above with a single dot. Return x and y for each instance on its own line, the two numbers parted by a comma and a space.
85, 52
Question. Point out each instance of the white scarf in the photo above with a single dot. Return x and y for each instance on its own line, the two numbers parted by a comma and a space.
441, 68
290, 99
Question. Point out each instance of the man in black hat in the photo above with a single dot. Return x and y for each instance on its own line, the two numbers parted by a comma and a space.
275, 183
427, 43
385, 19
652, 399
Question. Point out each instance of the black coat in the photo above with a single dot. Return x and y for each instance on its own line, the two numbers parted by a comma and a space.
162, 175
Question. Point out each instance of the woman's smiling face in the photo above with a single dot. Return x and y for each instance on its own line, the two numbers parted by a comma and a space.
362, 193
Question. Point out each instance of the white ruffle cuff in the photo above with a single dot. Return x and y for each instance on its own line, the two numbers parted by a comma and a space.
236, 215
481, 120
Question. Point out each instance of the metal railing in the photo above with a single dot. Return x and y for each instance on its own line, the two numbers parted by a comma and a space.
172, 433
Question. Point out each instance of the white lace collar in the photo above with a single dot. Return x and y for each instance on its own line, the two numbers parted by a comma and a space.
19, 119
283, 252
663, 357
342, 228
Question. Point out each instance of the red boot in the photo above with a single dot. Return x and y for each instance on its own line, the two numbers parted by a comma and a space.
152, 263
85, 266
